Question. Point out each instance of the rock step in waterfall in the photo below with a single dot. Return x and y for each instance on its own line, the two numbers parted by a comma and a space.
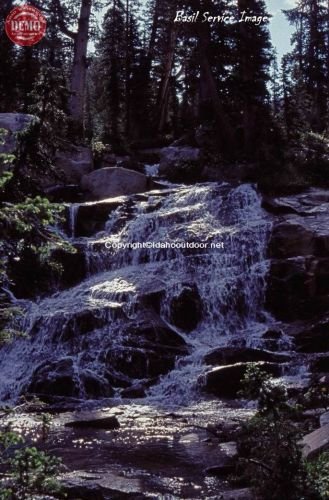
144, 319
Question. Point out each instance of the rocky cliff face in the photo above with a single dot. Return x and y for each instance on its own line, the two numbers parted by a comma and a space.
298, 281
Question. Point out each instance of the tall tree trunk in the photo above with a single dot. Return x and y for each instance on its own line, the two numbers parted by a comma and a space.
209, 98
79, 68
155, 26
165, 84
127, 69
246, 75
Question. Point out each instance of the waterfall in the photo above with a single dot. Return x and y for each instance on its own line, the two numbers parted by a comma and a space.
211, 237
73, 212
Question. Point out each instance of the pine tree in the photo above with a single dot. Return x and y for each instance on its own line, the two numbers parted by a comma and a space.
309, 59
251, 74
110, 68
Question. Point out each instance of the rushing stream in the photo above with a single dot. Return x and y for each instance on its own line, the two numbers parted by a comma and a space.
209, 239
228, 271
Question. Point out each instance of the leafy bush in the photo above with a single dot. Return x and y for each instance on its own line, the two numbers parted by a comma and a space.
318, 472
29, 240
26, 471
269, 446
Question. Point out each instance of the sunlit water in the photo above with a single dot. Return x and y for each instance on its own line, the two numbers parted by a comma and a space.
231, 281
160, 448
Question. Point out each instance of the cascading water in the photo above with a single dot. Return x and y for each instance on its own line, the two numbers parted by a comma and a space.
208, 236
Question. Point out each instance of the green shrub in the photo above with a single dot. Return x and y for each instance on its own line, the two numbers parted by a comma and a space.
27, 471
269, 446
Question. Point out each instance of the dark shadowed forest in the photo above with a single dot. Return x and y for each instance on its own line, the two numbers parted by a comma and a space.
123, 75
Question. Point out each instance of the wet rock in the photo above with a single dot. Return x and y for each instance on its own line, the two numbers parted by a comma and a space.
60, 378
96, 422
180, 164
75, 162
136, 391
116, 379
56, 378
315, 442
90, 218
95, 386
271, 340
111, 182
186, 309
310, 202
150, 331
313, 337
13, 123
225, 381
150, 348
81, 323
145, 347
140, 363
278, 207
231, 355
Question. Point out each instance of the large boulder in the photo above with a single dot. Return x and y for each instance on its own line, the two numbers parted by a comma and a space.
74, 162
56, 378
150, 349
93, 421
225, 381
13, 123
61, 378
181, 164
90, 218
112, 182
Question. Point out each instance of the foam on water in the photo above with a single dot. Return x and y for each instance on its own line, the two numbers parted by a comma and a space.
230, 280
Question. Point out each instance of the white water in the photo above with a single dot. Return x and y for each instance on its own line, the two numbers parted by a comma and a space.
230, 281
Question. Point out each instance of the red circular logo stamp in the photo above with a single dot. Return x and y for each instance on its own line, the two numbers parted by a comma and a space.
25, 25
